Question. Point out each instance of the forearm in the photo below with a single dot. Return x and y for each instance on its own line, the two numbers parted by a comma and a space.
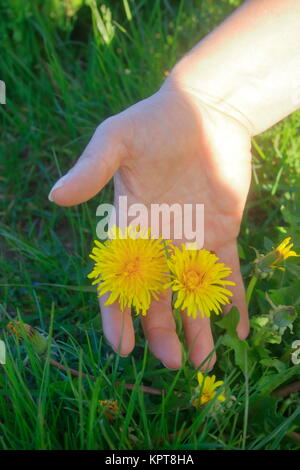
250, 65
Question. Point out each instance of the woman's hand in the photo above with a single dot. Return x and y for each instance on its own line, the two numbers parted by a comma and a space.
170, 148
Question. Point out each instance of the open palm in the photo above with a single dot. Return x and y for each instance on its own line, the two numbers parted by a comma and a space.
170, 148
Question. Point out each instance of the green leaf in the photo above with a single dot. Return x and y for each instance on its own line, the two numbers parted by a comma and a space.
267, 384
264, 414
284, 316
270, 362
241, 348
286, 295
229, 322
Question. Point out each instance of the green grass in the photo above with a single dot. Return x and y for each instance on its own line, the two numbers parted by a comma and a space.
65, 71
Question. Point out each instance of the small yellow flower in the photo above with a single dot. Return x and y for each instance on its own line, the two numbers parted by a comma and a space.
207, 389
198, 279
131, 267
110, 409
264, 265
284, 251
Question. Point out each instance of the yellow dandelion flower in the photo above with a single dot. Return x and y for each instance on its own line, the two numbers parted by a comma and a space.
198, 279
284, 250
207, 389
264, 265
110, 409
132, 267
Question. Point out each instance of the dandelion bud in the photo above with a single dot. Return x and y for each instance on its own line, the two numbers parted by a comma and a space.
264, 265
284, 315
22, 330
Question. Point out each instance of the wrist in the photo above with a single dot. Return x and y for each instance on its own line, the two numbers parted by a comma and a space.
249, 66
200, 92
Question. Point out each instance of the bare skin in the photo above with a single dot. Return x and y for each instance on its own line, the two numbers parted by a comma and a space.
174, 147
170, 148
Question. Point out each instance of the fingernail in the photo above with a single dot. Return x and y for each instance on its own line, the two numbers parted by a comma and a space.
167, 367
57, 185
115, 350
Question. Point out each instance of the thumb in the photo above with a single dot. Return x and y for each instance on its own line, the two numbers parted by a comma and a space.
96, 166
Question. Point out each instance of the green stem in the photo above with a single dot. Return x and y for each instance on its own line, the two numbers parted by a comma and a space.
246, 409
76, 373
250, 289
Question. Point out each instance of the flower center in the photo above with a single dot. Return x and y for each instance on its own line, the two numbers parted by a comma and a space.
192, 279
132, 267
205, 397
